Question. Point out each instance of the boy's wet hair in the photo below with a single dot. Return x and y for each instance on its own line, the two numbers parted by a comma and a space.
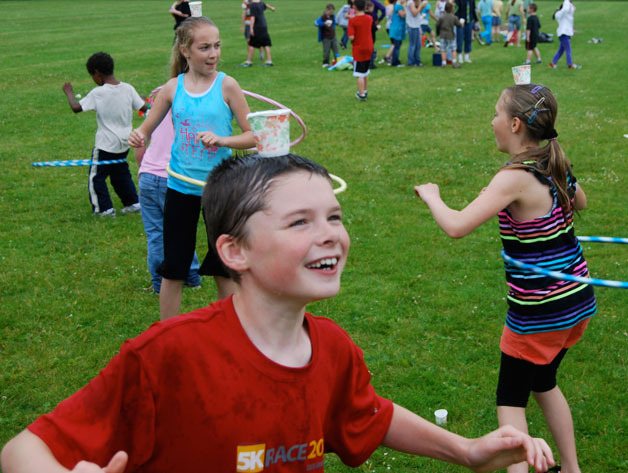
100, 62
184, 37
237, 188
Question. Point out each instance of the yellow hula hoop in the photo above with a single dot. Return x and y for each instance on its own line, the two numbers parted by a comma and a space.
196, 182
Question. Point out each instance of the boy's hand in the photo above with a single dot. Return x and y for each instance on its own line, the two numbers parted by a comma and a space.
427, 191
136, 139
68, 89
117, 464
507, 446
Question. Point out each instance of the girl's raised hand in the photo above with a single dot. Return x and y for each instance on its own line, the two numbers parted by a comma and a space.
136, 139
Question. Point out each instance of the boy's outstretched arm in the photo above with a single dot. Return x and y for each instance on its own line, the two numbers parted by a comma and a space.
69, 93
27, 453
410, 433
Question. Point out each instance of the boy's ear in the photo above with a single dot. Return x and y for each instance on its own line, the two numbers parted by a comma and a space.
230, 252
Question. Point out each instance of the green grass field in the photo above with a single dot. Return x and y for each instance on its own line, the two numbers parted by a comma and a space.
427, 310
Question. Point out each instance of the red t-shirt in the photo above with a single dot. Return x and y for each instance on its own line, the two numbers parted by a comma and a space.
193, 394
360, 28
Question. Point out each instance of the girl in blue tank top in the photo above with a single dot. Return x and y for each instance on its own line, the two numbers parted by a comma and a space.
204, 103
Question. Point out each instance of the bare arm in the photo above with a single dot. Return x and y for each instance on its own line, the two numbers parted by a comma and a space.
410, 433
580, 199
505, 188
140, 136
27, 453
175, 12
237, 103
69, 93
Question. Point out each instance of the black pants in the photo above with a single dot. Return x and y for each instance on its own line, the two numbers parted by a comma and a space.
120, 178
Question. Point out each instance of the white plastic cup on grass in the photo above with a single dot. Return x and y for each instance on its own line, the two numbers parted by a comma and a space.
196, 8
441, 416
271, 129
521, 74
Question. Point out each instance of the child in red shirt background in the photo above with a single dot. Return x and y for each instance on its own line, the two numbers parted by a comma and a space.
361, 37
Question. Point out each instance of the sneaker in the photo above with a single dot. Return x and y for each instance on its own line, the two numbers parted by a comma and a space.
106, 213
400, 65
538, 61
268, 64
325, 66
526, 63
551, 65
468, 60
575, 66
480, 40
131, 209
246, 64
360, 97
455, 65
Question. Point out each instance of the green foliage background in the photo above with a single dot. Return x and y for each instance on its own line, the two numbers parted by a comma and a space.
427, 310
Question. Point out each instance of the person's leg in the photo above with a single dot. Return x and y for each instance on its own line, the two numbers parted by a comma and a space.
395, 53
568, 50
123, 184
558, 416
225, 286
269, 58
334, 48
468, 40
152, 196
537, 52
170, 298
181, 214
459, 40
413, 39
345, 38
97, 185
326, 49
515, 416
514, 384
561, 50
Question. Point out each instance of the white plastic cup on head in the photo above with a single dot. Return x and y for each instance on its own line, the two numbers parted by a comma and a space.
196, 8
441, 416
521, 74
271, 129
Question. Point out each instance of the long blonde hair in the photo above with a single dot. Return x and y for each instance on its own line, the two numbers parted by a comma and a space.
537, 108
184, 38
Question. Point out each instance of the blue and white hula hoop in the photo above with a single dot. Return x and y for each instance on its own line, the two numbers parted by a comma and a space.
76, 162
569, 277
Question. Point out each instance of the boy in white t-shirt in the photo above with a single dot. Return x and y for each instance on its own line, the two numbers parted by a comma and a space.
114, 102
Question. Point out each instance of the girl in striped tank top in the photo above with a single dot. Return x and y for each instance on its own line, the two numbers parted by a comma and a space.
534, 196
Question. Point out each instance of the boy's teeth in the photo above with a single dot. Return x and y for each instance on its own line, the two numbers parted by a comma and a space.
324, 262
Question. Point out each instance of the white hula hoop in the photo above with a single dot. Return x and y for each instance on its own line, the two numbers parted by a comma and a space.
196, 182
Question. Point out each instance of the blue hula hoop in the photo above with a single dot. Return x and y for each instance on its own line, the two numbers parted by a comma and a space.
601, 239
569, 277
76, 162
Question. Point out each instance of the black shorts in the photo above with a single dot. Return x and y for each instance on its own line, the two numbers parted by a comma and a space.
260, 39
181, 214
517, 378
361, 68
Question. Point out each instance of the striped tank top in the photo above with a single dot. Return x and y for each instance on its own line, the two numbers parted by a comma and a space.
538, 303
